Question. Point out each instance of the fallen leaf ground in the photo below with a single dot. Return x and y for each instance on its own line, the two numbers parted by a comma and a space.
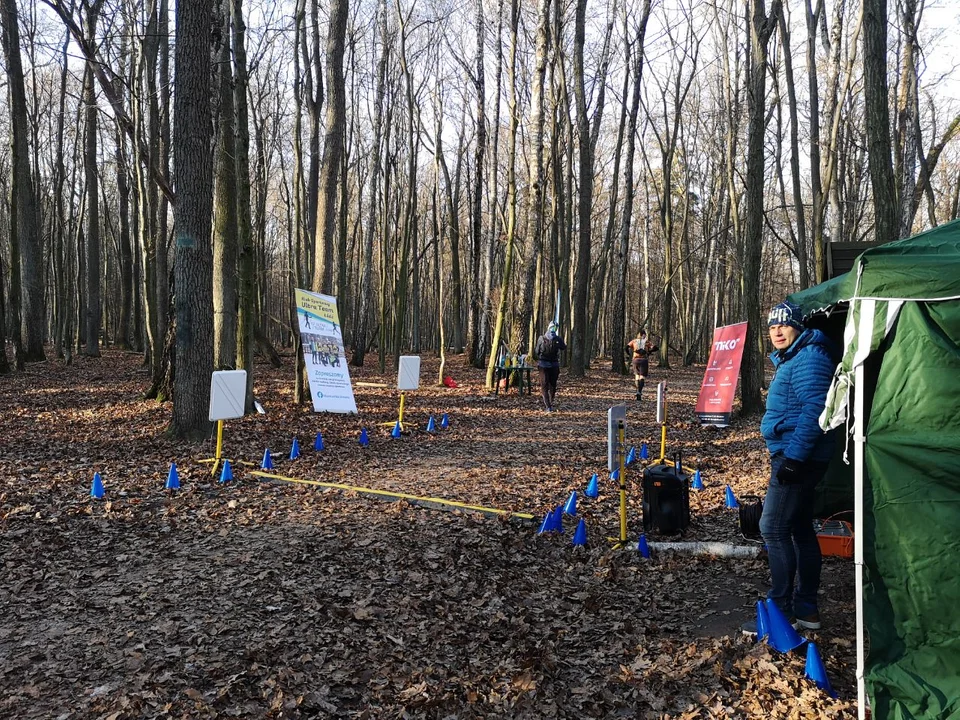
270, 599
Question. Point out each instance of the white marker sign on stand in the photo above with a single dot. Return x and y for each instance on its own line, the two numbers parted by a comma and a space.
228, 390
408, 374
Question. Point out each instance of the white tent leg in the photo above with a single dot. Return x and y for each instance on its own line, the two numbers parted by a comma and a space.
858, 441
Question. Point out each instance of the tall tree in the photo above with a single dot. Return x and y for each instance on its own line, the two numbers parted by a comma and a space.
247, 315
475, 320
225, 207
92, 234
335, 125
619, 335
761, 28
579, 353
877, 117
193, 264
498, 328
373, 181
27, 267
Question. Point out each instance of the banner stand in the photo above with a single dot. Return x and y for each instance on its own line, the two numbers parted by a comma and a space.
719, 385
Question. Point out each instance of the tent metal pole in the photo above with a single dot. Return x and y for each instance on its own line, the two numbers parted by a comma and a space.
858, 441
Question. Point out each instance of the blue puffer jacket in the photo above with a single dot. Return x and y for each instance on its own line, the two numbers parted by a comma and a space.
796, 398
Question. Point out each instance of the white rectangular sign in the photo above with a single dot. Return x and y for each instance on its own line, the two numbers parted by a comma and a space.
323, 353
228, 392
408, 374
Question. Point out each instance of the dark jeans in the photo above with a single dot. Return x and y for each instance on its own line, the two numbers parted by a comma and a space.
548, 385
792, 546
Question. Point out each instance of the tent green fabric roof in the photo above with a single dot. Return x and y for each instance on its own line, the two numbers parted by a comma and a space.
923, 267
901, 356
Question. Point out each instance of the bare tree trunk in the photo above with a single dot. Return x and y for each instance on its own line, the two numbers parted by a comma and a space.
125, 241
885, 209
366, 291
475, 322
579, 353
907, 130
534, 229
761, 28
27, 286
192, 157
798, 206
247, 315
92, 245
4, 362
313, 70
335, 126
225, 209
511, 196
618, 341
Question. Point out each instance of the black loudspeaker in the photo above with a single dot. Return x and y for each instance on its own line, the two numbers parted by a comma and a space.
666, 499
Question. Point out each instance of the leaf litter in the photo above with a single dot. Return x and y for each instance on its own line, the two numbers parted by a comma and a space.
259, 599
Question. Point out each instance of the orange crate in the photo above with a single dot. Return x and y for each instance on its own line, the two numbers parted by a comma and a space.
835, 537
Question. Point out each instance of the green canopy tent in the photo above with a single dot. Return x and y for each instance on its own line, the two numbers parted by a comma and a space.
897, 390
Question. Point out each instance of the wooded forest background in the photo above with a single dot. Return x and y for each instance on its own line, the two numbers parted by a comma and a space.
447, 170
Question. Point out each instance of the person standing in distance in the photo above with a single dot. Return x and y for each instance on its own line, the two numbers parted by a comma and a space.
548, 349
804, 361
641, 348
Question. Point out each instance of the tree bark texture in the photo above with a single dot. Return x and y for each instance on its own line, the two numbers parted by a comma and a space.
193, 268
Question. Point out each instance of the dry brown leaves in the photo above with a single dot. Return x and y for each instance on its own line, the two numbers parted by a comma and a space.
272, 600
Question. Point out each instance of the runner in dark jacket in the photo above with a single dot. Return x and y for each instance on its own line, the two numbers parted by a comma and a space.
548, 349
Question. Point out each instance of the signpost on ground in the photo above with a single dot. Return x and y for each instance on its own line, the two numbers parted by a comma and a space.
408, 378
662, 417
228, 392
616, 442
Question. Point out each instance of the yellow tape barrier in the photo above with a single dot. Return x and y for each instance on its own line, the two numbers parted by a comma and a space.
438, 503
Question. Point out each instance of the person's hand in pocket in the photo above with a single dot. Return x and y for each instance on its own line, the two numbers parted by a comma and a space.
789, 472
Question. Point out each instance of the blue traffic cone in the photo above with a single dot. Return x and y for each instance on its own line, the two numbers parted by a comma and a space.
445, 421
96, 490
547, 524
593, 487
631, 456
615, 476
697, 481
295, 449
730, 498
782, 635
557, 524
571, 507
364, 439
267, 462
395, 433
226, 474
642, 546
173, 478
318, 443
763, 621
580, 536
816, 671
431, 425
644, 453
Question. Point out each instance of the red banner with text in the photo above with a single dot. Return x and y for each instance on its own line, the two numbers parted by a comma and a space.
719, 385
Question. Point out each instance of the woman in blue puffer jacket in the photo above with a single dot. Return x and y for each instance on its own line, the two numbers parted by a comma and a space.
804, 362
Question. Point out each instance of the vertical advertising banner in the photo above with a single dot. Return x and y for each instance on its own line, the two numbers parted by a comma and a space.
719, 386
323, 353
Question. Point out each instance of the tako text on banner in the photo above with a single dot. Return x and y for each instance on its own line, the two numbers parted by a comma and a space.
719, 386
